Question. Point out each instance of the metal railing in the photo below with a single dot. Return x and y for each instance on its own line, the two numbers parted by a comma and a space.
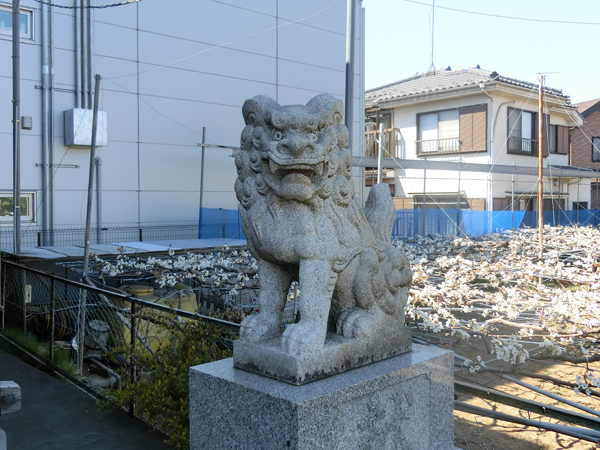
438, 146
390, 143
32, 237
64, 313
521, 145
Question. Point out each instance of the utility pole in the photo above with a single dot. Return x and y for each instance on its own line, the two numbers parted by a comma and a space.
540, 167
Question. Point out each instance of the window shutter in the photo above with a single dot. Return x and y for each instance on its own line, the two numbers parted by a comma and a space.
562, 146
465, 119
473, 128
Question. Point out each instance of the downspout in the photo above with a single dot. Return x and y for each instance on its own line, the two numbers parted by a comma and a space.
51, 129
84, 41
350, 38
47, 132
91, 45
78, 95
46, 167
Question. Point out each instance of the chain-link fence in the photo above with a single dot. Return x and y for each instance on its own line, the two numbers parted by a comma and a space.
62, 314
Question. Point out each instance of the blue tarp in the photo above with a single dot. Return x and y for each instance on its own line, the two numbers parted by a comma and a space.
224, 223
220, 223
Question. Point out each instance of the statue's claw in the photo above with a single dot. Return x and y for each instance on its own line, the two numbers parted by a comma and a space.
259, 327
303, 338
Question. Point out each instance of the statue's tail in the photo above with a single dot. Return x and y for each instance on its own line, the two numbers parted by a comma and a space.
381, 214
390, 285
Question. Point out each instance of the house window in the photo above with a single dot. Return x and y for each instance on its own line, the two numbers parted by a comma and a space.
552, 138
25, 22
578, 206
439, 132
596, 149
7, 204
558, 139
456, 130
521, 131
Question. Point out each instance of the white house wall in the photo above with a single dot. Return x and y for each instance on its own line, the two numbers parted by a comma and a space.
169, 69
479, 185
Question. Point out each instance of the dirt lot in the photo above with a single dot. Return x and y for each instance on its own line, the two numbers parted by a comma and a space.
473, 432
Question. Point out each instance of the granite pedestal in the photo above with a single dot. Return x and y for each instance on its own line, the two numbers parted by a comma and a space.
404, 402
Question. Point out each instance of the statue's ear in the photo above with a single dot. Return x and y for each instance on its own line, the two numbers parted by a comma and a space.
329, 109
256, 109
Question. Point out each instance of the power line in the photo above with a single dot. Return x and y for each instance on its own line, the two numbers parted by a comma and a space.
506, 17
112, 5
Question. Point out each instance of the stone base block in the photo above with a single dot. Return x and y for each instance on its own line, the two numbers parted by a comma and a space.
404, 402
338, 355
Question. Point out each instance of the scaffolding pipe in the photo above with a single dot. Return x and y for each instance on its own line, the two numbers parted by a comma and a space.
512, 203
98, 162
86, 254
424, 202
458, 207
540, 166
380, 153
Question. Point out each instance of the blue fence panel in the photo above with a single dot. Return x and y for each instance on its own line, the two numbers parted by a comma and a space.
220, 223
224, 223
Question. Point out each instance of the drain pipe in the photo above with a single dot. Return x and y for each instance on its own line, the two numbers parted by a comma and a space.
47, 69
78, 54
91, 46
84, 40
98, 162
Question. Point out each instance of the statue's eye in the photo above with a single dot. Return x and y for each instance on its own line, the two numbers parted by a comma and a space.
312, 137
277, 135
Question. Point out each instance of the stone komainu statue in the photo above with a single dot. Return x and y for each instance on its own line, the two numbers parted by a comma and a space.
296, 202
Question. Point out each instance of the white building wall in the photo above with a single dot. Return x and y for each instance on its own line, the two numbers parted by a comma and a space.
169, 69
480, 185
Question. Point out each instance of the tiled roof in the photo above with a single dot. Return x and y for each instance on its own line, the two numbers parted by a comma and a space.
585, 108
446, 80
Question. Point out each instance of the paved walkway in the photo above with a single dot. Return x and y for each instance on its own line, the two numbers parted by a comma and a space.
57, 416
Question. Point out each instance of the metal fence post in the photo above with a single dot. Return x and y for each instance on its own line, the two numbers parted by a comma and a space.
52, 310
24, 304
133, 339
82, 319
3, 298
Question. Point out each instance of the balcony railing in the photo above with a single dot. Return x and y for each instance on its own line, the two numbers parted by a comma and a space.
390, 143
523, 146
438, 146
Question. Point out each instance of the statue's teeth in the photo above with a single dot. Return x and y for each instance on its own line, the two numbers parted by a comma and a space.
273, 166
318, 168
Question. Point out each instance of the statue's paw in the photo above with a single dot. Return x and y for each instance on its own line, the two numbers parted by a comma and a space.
303, 338
359, 323
259, 327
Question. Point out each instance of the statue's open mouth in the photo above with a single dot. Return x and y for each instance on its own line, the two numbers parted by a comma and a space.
307, 170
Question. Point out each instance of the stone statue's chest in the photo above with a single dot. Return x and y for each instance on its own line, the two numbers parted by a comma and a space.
291, 234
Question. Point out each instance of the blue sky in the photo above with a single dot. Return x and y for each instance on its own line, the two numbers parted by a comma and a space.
398, 41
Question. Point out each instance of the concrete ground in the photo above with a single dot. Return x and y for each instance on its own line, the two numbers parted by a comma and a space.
56, 416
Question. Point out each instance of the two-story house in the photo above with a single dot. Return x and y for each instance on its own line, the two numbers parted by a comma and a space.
585, 144
469, 139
